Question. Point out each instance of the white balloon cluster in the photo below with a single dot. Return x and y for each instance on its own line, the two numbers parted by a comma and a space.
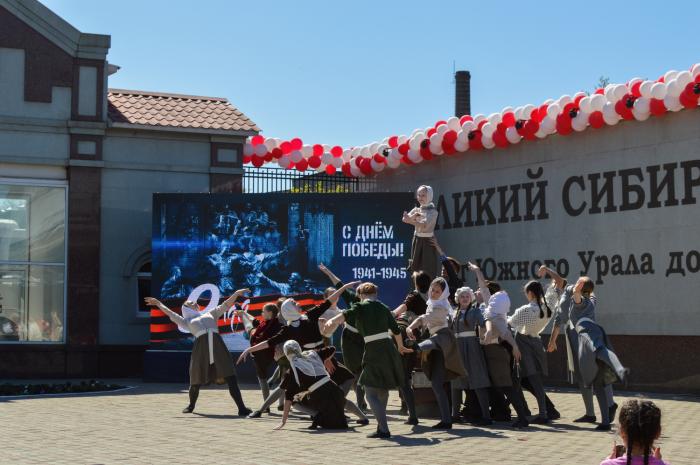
638, 99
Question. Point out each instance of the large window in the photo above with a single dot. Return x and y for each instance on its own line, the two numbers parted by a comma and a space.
32, 262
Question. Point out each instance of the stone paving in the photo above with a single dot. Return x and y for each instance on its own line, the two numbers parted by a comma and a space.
144, 425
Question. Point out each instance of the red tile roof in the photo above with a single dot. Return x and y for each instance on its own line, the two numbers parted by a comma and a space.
176, 111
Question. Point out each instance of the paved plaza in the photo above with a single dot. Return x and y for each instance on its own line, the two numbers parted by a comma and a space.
143, 425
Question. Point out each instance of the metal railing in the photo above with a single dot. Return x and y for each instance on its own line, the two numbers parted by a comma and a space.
262, 180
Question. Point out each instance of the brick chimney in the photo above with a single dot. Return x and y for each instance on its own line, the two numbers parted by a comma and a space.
462, 93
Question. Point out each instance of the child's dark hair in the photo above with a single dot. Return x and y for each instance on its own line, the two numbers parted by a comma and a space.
536, 288
422, 281
640, 420
587, 288
493, 286
272, 308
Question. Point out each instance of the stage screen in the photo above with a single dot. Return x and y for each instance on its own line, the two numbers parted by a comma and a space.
205, 246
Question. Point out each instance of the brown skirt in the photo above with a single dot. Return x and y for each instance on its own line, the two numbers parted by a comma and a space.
201, 372
424, 257
498, 362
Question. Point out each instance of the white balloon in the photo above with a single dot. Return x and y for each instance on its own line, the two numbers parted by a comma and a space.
610, 116
518, 113
619, 91
393, 163
337, 162
354, 170
468, 126
376, 166
436, 148
248, 149
495, 118
645, 88
270, 144
487, 142
415, 156
549, 125
553, 110
658, 90
402, 139
488, 129
284, 161
549, 101
684, 78
670, 75
462, 136
364, 151
327, 158
672, 103
609, 94
453, 123
373, 148
585, 104
307, 151
527, 111
260, 150
478, 119
597, 102
512, 135
296, 156
695, 70
564, 100
442, 129
580, 122
461, 145
640, 110
673, 88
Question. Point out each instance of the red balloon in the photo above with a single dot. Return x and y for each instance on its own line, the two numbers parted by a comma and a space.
403, 149
247, 159
475, 140
657, 107
286, 147
318, 150
577, 100
622, 109
661, 79
393, 142
465, 118
481, 124
501, 127
358, 161
508, 119
366, 166
296, 143
379, 158
448, 147
346, 169
302, 165
450, 136
499, 138
570, 106
531, 127
431, 131
426, 153
596, 120
330, 169
542, 112
268, 156
441, 122
277, 152
257, 161
688, 99
564, 124
256, 140
635, 89
337, 151
314, 161
600, 91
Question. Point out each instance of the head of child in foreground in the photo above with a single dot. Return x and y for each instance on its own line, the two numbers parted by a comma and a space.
640, 426
437, 287
367, 291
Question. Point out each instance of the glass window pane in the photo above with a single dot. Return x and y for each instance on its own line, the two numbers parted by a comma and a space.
32, 223
144, 284
45, 303
13, 299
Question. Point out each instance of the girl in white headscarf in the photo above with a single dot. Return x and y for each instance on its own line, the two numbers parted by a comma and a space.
424, 255
210, 361
443, 362
309, 385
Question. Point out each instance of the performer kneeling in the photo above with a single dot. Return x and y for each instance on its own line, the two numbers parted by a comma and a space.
381, 364
211, 360
443, 361
315, 392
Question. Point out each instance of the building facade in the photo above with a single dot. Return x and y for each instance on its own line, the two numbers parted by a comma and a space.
79, 163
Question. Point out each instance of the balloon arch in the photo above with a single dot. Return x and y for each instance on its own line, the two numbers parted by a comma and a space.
638, 99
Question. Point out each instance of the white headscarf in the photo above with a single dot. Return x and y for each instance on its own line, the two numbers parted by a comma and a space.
428, 194
465, 290
442, 301
188, 314
308, 362
290, 312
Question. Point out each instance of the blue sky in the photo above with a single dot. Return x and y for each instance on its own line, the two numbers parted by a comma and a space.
349, 73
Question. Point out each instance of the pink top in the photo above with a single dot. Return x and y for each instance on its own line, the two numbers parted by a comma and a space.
636, 460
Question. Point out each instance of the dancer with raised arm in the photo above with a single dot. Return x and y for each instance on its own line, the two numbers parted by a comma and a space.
210, 361
381, 364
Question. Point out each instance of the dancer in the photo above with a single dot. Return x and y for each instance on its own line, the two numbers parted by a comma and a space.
451, 271
210, 361
528, 322
381, 364
443, 361
466, 325
260, 332
351, 343
317, 394
587, 345
495, 340
424, 256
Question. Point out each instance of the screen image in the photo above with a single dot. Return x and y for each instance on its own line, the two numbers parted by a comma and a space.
206, 246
